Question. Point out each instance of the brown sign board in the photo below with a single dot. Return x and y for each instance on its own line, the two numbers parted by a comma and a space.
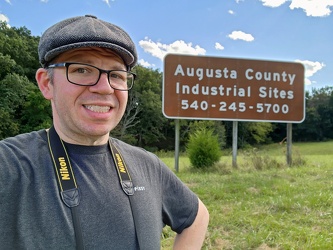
215, 88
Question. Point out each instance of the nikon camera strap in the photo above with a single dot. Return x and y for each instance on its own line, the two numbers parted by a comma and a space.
69, 190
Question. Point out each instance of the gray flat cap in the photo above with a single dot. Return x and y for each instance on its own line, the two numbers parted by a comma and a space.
86, 31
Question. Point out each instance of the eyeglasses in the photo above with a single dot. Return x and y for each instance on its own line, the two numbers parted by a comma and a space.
88, 75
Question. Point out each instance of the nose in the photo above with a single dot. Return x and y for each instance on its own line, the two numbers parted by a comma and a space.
103, 85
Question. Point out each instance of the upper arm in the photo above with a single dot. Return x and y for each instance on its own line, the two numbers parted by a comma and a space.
194, 236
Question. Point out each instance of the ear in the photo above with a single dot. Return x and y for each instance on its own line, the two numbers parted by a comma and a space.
44, 83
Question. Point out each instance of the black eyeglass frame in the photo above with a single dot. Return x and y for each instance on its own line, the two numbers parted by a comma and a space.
101, 71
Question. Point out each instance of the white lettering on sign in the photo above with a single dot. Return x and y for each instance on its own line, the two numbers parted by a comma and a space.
220, 90
209, 73
270, 76
275, 93
225, 73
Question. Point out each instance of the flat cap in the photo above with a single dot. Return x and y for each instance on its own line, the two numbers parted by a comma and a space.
86, 31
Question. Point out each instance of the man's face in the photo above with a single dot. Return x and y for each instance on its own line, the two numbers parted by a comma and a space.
86, 114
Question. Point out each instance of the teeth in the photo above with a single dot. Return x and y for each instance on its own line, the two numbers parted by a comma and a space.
98, 109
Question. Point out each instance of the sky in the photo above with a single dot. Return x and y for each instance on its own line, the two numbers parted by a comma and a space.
274, 30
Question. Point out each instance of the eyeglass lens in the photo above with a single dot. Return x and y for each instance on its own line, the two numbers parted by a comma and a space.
86, 75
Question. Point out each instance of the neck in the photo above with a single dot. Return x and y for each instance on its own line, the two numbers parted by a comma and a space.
84, 140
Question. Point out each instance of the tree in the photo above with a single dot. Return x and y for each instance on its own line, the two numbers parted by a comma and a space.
255, 132
36, 112
21, 46
22, 107
7, 65
8, 127
129, 120
11, 100
318, 124
151, 122
250, 133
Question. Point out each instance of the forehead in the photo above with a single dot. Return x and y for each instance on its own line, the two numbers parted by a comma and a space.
89, 53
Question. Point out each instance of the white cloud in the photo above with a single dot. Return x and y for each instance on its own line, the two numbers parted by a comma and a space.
273, 3
3, 18
310, 69
107, 2
145, 64
218, 46
313, 8
231, 12
8, 1
240, 35
159, 50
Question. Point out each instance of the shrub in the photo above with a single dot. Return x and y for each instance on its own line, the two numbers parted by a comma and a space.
203, 148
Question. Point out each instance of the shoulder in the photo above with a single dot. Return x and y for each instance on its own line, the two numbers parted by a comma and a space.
23, 146
21, 155
27, 141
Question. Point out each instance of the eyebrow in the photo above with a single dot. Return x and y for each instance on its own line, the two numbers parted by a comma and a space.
115, 66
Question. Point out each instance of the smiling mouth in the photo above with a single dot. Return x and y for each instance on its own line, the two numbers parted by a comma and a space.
98, 109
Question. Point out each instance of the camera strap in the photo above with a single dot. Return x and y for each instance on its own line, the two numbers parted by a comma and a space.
69, 190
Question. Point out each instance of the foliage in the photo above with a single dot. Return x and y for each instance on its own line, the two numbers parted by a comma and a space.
11, 100
217, 127
22, 107
7, 65
9, 96
256, 132
250, 133
8, 127
36, 112
21, 47
203, 148
152, 124
318, 123
320, 105
129, 120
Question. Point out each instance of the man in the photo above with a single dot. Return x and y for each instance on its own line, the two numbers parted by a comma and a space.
72, 186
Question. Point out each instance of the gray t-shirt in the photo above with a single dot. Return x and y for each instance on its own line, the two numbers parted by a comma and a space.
33, 216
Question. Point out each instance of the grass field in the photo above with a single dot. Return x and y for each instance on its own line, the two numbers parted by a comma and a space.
264, 204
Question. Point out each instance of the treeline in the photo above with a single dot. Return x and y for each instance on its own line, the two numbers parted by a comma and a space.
23, 108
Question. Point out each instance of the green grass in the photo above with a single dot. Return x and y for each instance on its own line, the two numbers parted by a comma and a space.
266, 207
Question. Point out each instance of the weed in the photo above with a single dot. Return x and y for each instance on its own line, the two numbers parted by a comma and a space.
261, 162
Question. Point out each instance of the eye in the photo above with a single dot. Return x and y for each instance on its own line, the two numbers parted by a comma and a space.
119, 75
81, 69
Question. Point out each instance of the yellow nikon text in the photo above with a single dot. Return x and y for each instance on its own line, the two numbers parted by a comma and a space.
120, 164
63, 169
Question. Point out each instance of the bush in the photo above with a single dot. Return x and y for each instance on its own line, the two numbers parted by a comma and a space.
203, 148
